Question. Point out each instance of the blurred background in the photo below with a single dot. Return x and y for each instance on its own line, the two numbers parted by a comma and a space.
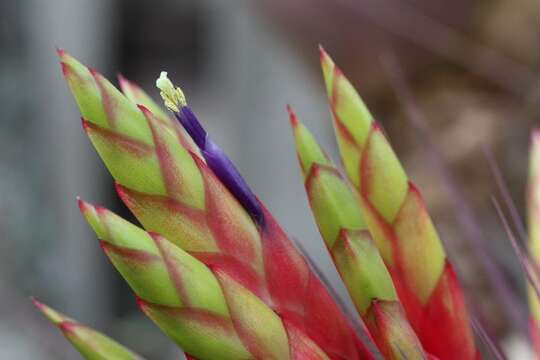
472, 66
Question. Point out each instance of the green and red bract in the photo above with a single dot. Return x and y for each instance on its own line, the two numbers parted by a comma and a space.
172, 191
401, 228
336, 209
533, 204
91, 344
178, 292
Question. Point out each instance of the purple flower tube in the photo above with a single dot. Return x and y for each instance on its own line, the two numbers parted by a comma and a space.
215, 158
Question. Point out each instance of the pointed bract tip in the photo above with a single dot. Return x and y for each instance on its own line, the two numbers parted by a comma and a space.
292, 117
323, 55
37, 303
122, 80
144, 109
54, 316
96, 74
146, 112
85, 124
322, 52
121, 191
61, 52
140, 303
83, 205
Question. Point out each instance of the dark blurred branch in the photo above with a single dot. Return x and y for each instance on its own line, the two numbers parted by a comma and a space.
493, 347
523, 259
505, 193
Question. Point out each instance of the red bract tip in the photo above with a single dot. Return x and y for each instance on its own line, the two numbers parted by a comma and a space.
83, 205
61, 53
37, 304
85, 124
322, 52
292, 117
94, 72
121, 191
121, 79
123, 82
103, 244
144, 109
140, 303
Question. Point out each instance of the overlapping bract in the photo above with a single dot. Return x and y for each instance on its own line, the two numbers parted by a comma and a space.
266, 284
337, 212
400, 225
533, 204
91, 344
181, 294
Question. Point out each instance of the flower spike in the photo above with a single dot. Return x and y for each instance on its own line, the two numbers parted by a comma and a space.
400, 224
91, 344
337, 212
176, 193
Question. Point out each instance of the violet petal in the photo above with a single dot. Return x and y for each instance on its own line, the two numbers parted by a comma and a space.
220, 164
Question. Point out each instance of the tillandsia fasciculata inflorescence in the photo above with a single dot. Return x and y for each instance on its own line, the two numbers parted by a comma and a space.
216, 273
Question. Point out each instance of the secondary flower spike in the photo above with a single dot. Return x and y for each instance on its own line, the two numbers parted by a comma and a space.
533, 204
91, 344
216, 159
173, 192
397, 218
337, 213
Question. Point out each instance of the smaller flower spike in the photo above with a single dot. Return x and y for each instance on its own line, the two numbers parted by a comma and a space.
398, 220
91, 344
533, 202
338, 215
216, 159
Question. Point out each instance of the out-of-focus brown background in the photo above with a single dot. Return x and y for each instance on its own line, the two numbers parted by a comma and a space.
473, 67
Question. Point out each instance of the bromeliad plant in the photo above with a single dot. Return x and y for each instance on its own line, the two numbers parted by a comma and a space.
214, 270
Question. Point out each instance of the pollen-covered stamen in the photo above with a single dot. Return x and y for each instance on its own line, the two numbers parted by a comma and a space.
172, 96
216, 159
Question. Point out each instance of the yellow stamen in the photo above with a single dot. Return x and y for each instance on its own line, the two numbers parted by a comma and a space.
172, 96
